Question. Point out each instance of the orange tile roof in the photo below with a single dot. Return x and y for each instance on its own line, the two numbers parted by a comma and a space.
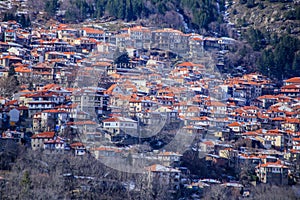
292, 120
77, 144
44, 135
93, 31
209, 143
273, 164
234, 124
22, 69
186, 64
293, 80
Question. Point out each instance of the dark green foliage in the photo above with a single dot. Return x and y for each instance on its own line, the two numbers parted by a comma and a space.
256, 39
51, 7
261, 6
23, 20
293, 14
250, 3
25, 183
203, 12
234, 12
122, 59
283, 60
200, 12
11, 71
78, 11
126, 9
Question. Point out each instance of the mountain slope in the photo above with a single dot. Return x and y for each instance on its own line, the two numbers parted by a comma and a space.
272, 30
197, 14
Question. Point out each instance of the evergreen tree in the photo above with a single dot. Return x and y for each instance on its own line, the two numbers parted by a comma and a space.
11, 71
5, 18
28, 21
122, 60
51, 7
26, 182
22, 20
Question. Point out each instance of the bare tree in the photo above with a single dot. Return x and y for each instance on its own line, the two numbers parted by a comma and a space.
35, 6
218, 192
41, 175
272, 192
8, 86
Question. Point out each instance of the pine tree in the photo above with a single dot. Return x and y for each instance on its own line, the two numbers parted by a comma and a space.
11, 71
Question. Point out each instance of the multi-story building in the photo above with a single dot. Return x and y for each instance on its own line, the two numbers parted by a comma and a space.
141, 37
170, 40
163, 175
274, 173
92, 33
37, 140
118, 125
91, 100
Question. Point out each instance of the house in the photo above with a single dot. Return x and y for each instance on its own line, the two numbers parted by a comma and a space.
3, 72
170, 39
53, 119
8, 60
64, 32
292, 81
92, 33
267, 100
37, 140
141, 37
273, 173
91, 100
15, 136
10, 35
167, 158
118, 125
207, 146
57, 145
78, 148
37, 122
292, 124
41, 101
123, 40
17, 51
296, 144
83, 126
236, 127
169, 113
106, 152
275, 136
165, 175
196, 46
291, 90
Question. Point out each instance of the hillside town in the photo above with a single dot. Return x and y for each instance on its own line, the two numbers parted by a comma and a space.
87, 90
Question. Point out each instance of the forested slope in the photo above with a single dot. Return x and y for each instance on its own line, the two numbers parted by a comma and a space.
196, 13
272, 30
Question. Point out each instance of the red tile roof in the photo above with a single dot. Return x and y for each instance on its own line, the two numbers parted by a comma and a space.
44, 135
293, 80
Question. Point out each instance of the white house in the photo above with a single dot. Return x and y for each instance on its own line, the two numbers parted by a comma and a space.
116, 125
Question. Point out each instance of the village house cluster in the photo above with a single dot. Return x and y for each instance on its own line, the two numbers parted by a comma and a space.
74, 98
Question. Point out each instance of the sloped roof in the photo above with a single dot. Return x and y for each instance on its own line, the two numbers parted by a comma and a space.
44, 135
